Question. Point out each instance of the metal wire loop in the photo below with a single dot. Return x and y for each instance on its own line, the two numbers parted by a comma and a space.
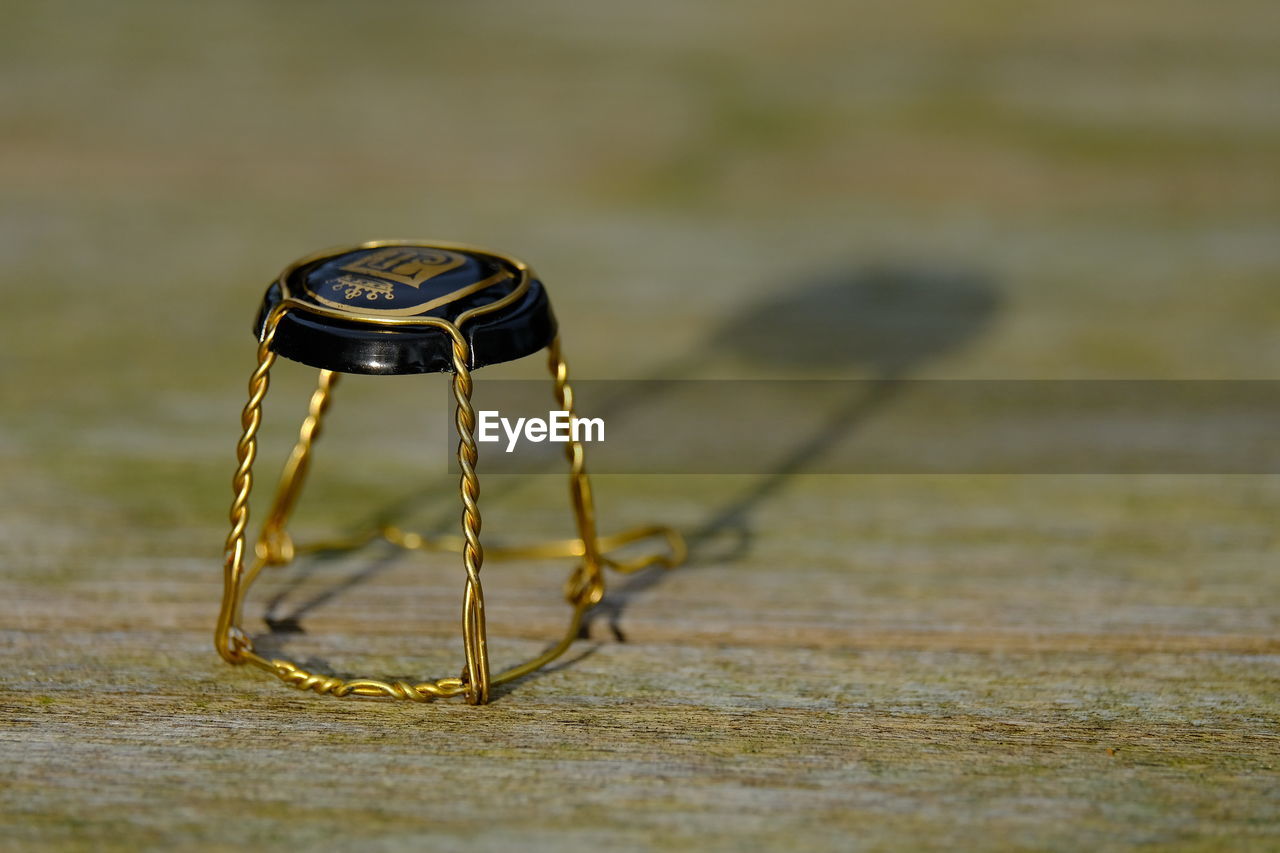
274, 547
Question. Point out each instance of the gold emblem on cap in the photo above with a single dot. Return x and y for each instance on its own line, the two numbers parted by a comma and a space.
356, 287
375, 276
406, 264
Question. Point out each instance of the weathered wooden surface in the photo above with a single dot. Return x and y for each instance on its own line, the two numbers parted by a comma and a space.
894, 663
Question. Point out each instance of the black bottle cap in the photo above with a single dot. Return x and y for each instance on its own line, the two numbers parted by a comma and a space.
402, 281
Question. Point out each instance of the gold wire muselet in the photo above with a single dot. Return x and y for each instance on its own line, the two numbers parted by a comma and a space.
274, 547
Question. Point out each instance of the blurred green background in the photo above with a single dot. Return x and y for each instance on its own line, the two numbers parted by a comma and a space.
1109, 172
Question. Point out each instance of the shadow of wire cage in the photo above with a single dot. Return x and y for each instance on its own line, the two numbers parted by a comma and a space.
884, 322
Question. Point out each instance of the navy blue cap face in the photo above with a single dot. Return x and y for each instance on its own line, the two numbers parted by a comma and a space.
402, 281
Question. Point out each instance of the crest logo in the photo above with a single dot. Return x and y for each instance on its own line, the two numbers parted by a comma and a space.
399, 280
406, 264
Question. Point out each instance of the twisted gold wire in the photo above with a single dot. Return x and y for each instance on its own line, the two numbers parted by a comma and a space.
299, 678
473, 625
228, 638
585, 586
542, 550
275, 546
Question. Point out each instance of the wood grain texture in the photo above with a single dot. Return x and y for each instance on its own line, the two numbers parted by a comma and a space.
849, 662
